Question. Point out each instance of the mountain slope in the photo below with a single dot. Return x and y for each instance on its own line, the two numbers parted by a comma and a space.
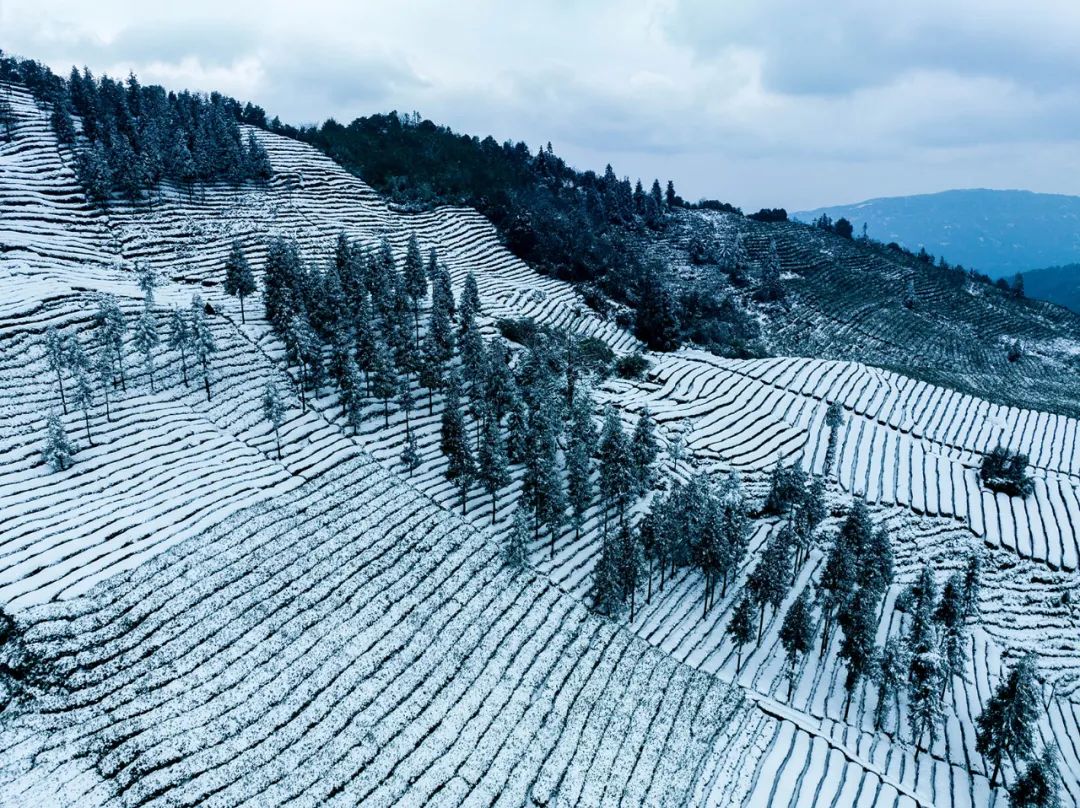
346, 626
996, 232
1059, 285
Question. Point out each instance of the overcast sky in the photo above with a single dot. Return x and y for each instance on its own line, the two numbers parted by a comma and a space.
757, 102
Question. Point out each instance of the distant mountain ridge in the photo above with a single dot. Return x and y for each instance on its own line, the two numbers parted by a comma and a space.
996, 232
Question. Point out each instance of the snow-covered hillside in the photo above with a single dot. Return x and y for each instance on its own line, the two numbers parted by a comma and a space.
233, 628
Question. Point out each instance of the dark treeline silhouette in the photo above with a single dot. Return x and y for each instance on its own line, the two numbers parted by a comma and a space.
133, 136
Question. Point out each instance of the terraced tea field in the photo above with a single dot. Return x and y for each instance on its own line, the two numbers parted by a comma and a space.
211, 624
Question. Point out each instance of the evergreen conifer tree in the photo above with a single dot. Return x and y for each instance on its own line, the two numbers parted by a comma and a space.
768, 583
581, 444
103, 370
492, 463
516, 551
416, 284
274, 411
82, 398
59, 449
797, 634
631, 561
146, 340
239, 279
54, 355
741, 627
1008, 725
644, 450
616, 465
384, 379
469, 306
454, 443
202, 340
111, 327
607, 588
410, 454
924, 681
858, 622
1039, 784
891, 676
180, 338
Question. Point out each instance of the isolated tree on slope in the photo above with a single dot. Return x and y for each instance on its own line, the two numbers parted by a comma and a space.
180, 338
1009, 723
239, 279
59, 449
54, 355
1039, 784
202, 340
274, 411
797, 634
146, 340
741, 627
148, 282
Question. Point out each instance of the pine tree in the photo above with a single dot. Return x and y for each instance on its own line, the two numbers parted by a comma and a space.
741, 627
180, 338
416, 285
972, 584
657, 315
469, 306
607, 588
59, 449
891, 676
581, 444
616, 465
410, 454
148, 282
542, 484
837, 584
797, 634
631, 560
644, 450
405, 400
274, 411
384, 379
676, 450
492, 463
82, 398
768, 583
1039, 784
202, 340
516, 551
877, 564
431, 368
952, 627
103, 370
111, 327
1009, 723
735, 527
924, 678
54, 355
239, 280
454, 443
146, 340
858, 622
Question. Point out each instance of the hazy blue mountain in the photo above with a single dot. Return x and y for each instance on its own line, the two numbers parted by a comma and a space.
997, 232
1056, 284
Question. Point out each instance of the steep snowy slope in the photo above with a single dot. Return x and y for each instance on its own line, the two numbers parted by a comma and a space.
231, 628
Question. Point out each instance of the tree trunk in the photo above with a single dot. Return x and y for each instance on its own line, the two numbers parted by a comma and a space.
648, 597
386, 414
791, 680
86, 420
277, 435
243, 318
120, 363
997, 770
738, 662
63, 398
761, 623
206, 379
183, 365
